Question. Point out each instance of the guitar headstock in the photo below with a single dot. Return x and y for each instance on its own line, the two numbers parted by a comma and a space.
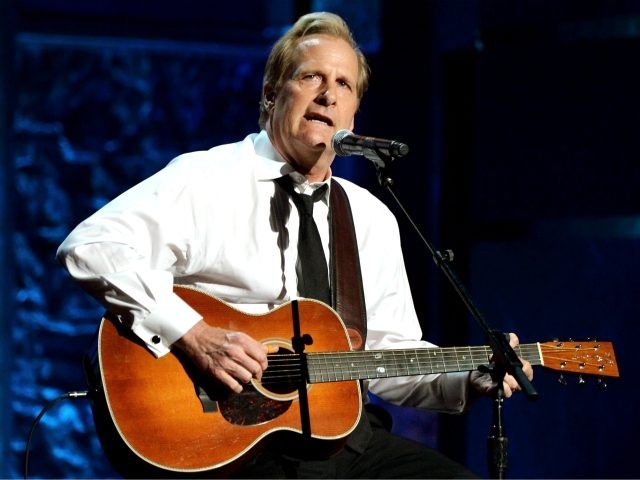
590, 357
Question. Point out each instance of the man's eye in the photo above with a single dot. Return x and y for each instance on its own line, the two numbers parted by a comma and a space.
312, 78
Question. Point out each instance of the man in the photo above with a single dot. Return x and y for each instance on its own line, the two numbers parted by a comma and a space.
225, 222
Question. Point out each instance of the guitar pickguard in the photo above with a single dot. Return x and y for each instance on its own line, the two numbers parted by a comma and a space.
251, 407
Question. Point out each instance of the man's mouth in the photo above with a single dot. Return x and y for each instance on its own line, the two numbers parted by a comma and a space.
316, 117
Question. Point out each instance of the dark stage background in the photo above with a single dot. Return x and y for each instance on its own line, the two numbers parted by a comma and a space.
522, 119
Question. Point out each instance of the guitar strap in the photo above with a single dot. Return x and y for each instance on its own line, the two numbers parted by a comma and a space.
347, 292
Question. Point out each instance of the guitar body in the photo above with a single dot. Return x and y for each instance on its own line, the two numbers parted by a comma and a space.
159, 412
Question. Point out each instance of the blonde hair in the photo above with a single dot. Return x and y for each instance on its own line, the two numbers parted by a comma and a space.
280, 61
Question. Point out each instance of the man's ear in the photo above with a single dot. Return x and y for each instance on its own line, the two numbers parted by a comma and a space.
269, 97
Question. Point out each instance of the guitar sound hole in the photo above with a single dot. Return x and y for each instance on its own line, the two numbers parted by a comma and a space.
284, 373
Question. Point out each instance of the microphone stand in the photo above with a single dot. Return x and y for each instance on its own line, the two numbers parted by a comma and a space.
505, 359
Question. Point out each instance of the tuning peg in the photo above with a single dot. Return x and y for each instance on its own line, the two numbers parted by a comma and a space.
562, 380
602, 383
581, 380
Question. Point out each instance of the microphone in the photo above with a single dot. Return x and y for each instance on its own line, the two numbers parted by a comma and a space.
345, 143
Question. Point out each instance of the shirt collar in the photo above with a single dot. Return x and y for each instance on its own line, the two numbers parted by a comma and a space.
273, 166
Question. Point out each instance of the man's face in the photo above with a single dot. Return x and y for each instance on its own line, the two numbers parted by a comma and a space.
319, 99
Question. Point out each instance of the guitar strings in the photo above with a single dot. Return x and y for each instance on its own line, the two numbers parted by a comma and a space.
337, 366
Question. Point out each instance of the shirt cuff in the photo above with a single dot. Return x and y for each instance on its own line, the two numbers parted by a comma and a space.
169, 321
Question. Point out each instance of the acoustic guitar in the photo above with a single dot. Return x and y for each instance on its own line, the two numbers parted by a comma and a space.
160, 416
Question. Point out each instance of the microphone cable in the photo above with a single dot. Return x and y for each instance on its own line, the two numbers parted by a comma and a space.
49, 406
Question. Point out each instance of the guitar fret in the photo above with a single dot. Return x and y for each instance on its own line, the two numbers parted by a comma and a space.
457, 360
436, 364
396, 366
413, 364
324, 377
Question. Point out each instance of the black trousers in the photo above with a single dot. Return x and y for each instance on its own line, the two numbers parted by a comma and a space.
384, 456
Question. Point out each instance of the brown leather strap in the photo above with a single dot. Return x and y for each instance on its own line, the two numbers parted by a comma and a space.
347, 292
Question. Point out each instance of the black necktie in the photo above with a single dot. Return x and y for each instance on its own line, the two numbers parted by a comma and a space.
313, 275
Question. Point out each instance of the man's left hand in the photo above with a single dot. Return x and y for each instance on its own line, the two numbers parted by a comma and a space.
485, 384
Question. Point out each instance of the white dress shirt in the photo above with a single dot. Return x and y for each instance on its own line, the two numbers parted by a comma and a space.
210, 219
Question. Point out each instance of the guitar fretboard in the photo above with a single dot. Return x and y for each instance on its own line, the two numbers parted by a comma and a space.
339, 366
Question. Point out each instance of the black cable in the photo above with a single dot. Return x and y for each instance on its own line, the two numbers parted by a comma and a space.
49, 406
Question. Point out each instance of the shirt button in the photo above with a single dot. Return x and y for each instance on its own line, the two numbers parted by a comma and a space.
155, 339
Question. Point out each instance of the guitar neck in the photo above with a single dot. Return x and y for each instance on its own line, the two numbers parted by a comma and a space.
369, 364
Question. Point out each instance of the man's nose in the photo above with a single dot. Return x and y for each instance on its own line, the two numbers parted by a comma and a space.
326, 97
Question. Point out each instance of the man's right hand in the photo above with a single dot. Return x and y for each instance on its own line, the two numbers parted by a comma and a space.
232, 358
